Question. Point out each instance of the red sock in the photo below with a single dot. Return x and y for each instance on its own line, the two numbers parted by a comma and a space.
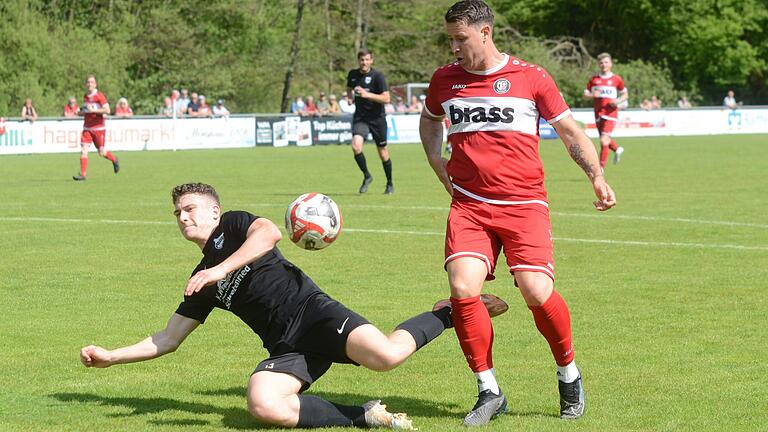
83, 165
474, 330
110, 156
603, 156
554, 323
613, 145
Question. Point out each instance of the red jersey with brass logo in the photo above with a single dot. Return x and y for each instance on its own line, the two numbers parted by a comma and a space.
94, 122
608, 88
494, 128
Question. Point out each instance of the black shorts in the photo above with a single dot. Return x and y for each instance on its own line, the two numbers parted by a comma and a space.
328, 324
376, 127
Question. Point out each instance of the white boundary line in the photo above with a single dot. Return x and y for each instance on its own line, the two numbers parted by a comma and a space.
420, 233
556, 213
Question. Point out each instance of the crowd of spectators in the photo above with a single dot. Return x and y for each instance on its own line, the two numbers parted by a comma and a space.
330, 105
182, 103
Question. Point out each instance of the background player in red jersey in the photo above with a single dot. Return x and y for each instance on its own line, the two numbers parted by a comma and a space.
608, 92
496, 179
95, 109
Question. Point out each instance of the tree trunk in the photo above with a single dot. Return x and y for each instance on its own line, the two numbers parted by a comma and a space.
285, 104
329, 40
359, 27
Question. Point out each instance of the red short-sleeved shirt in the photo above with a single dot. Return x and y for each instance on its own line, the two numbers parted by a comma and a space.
94, 122
609, 87
494, 128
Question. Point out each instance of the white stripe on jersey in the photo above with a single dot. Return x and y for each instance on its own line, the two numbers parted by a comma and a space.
483, 114
497, 202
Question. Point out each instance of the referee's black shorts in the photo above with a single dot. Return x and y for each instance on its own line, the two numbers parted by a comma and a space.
376, 127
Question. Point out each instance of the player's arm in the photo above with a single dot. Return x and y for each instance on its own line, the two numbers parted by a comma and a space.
382, 98
431, 133
261, 238
588, 94
583, 152
160, 343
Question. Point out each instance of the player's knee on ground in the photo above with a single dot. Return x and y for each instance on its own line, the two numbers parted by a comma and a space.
269, 408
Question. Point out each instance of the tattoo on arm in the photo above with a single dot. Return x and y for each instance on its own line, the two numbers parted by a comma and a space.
577, 154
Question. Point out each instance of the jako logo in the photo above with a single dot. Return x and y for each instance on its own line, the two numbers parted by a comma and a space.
481, 115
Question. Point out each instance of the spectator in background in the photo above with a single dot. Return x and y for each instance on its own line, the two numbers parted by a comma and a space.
219, 110
167, 109
193, 106
183, 102
203, 109
683, 103
122, 109
322, 105
28, 111
389, 108
646, 104
416, 105
400, 105
655, 102
346, 105
333, 105
71, 109
729, 101
310, 109
297, 107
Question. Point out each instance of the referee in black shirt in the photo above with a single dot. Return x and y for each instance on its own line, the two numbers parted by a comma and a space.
370, 92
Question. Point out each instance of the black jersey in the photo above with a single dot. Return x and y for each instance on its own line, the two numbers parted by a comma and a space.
268, 294
374, 82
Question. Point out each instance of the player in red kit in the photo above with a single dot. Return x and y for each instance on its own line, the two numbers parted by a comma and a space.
608, 92
95, 108
495, 176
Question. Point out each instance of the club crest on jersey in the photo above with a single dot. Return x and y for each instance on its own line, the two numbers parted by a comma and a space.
367, 80
501, 86
218, 242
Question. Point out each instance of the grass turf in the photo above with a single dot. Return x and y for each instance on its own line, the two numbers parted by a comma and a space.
666, 291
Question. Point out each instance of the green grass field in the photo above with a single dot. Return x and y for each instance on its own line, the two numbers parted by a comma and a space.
666, 291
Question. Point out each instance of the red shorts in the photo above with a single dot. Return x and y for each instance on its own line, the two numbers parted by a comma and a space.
605, 126
95, 137
477, 229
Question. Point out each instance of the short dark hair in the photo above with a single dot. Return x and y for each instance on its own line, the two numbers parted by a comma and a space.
470, 12
364, 52
194, 188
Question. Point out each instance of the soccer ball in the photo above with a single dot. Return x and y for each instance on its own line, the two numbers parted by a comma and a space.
313, 221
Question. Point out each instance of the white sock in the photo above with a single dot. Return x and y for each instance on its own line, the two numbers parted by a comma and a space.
568, 373
486, 380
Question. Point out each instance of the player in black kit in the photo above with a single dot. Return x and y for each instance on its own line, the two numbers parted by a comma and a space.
303, 329
370, 92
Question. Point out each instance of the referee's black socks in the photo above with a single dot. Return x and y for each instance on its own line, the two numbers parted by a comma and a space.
387, 164
360, 159
427, 326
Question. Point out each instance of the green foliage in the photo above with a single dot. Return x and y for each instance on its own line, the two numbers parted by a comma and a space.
238, 50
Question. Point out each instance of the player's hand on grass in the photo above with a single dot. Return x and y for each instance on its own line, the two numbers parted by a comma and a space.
95, 356
204, 278
606, 198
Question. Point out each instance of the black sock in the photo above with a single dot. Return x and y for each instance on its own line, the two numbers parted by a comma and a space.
360, 159
427, 326
388, 170
316, 412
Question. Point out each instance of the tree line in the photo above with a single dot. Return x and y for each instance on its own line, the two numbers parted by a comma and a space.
258, 54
